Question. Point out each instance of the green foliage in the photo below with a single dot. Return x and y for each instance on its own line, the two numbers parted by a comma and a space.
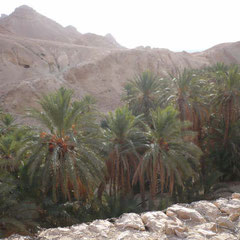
142, 93
170, 153
114, 206
65, 159
6, 123
58, 114
11, 145
18, 214
124, 138
176, 138
225, 157
59, 214
227, 98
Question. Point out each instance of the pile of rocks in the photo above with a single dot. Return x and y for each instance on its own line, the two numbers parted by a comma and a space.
217, 220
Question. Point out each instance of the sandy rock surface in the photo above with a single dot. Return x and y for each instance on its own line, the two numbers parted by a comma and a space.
190, 222
39, 55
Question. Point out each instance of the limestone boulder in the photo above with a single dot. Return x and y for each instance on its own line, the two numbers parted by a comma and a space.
234, 216
207, 209
236, 196
101, 227
186, 213
130, 220
172, 227
55, 233
195, 236
225, 222
231, 206
209, 226
206, 233
154, 221
225, 236
79, 229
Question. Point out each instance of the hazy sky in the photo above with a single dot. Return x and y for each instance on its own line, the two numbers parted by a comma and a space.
174, 24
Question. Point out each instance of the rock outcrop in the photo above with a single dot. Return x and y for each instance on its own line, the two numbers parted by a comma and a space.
38, 56
217, 220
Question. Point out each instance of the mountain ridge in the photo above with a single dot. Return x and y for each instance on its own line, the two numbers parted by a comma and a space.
35, 62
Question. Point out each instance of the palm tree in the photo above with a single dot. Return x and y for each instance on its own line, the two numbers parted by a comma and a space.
228, 97
124, 138
182, 84
7, 123
12, 139
143, 93
225, 159
64, 156
17, 213
169, 157
10, 149
216, 72
193, 91
88, 103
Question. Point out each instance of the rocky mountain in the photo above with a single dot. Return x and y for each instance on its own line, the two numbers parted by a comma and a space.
26, 22
39, 55
217, 220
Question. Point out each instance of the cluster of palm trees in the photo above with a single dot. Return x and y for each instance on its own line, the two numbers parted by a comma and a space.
174, 136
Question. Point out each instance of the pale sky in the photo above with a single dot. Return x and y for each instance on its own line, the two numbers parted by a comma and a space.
178, 25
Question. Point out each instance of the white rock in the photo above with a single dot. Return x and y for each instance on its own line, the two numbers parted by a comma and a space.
79, 228
211, 226
236, 196
171, 214
123, 235
207, 209
220, 202
234, 216
235, 202
195, 236
224, 236
228, 206
133, 235
206, 233
154, 220
130, 220
225, 222
100, 226
186, 213
171, 227
52, 233
181, 235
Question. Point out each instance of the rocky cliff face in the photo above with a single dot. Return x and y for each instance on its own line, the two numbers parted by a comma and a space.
38, 56
217, 220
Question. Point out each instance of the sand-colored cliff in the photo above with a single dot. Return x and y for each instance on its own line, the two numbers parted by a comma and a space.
38, 55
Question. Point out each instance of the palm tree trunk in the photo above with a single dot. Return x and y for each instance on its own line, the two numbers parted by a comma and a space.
228, 113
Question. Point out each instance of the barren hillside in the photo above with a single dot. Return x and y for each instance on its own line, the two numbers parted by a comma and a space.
38, 55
